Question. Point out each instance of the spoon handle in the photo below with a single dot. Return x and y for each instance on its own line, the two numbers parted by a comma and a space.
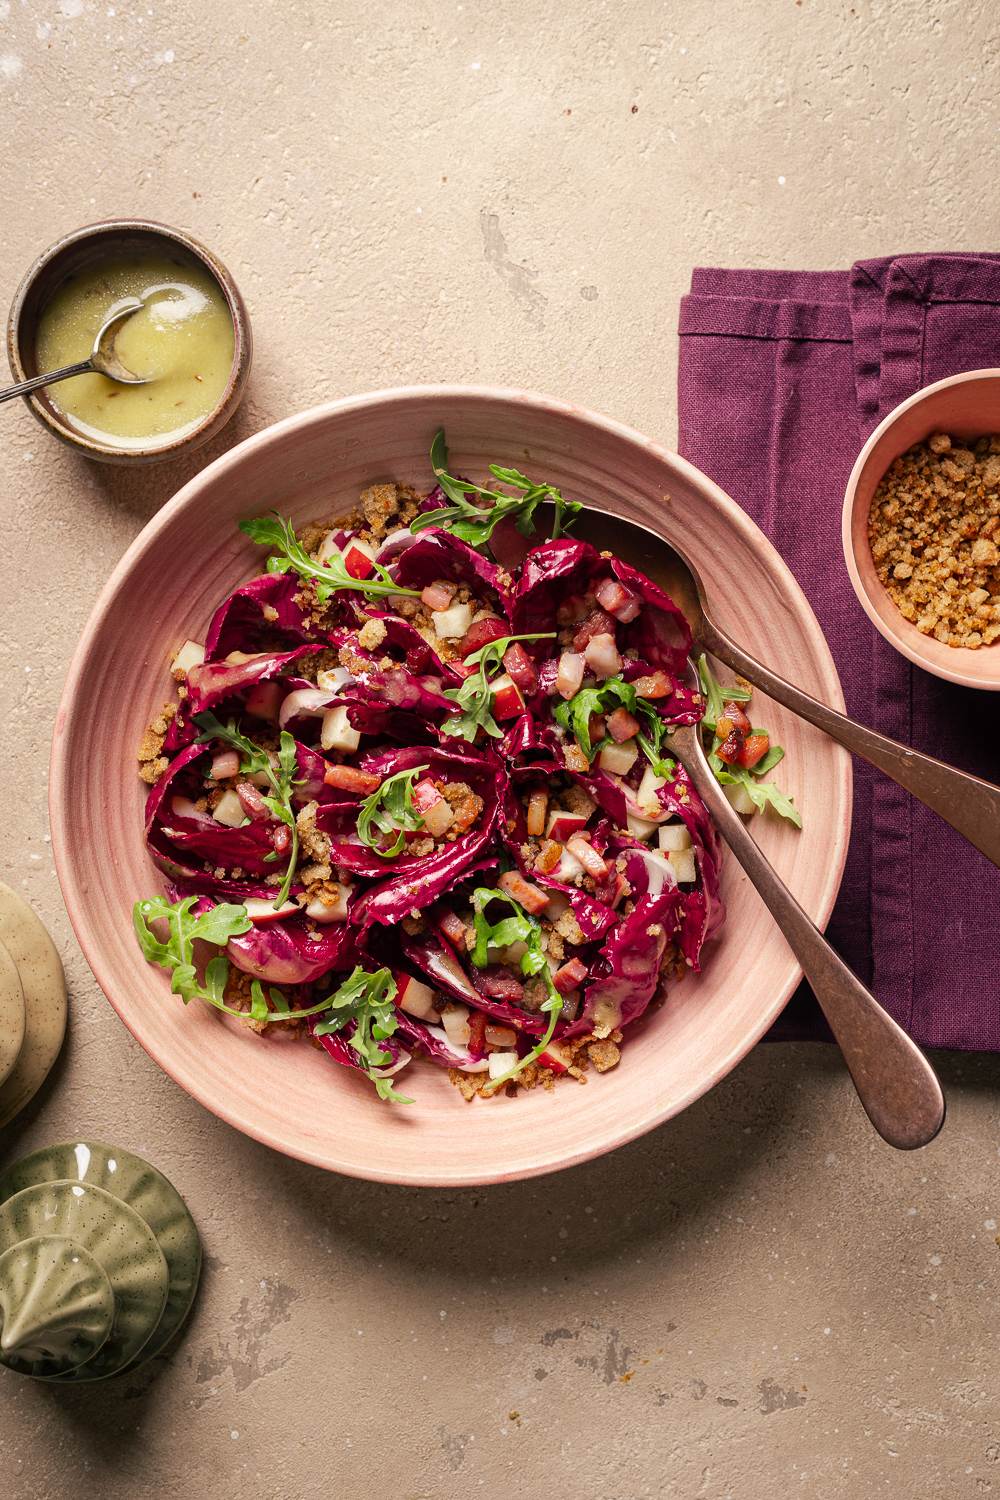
969, 804
895, 1082
27, 386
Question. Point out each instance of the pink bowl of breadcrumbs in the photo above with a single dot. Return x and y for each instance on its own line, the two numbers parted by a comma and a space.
921, 528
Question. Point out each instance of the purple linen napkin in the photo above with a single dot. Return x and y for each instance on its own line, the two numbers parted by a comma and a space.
782, 376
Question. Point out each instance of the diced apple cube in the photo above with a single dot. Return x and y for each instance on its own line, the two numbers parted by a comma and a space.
455, 1019
569, 868
500, 1036
260, 911
507, 700
229, 810
416, 998
452, 623
569, 676
264, 699
502, 1063
673, 837
618, 759
225, 764
602, 656
561, 825
556, 1057
322, 911
359, 558
337, 732
640, 828
190, 655
438, 818
330, 545
740, 798
649, 802
684, 865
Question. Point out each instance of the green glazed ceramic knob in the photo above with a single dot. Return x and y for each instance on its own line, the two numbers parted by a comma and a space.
144, 1189
122, 1244
56, 1306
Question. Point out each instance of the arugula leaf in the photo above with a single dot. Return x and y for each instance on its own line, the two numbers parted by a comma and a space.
216, 926
366, 1001
175, 953
274, 531
476, 524
389, 810
256, 761
575, 714
474, 699
519, 927
761, 793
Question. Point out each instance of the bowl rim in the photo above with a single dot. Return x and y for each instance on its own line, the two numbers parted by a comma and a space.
901, 642
240, 318
71, 704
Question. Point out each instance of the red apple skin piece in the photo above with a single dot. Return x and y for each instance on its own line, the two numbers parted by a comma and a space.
357, 563
262, 912
480, 633
563, 825
507, 700
570, 976
520, 668
530, 897
425, 794
556, 1058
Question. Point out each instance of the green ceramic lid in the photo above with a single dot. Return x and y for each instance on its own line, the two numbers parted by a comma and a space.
26, 940
122, 1244
11, 1014
57, 1307
145, 1190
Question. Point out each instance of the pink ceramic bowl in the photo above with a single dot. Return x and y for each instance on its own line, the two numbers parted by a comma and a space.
287, 1093
966, 406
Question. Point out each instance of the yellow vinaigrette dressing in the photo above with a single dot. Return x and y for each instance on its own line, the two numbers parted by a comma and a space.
181, 341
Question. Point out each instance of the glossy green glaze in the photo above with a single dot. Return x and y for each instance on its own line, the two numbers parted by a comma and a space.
57, 1307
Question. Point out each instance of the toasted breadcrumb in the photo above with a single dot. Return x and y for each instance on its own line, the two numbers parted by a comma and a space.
934, 528
371, 635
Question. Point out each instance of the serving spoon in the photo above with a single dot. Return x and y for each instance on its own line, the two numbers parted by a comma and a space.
103, 358
894, 1081
970, 805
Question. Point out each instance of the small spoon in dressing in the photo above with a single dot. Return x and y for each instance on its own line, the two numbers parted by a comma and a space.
103, 358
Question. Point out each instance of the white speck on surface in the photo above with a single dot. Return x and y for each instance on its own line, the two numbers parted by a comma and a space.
475, 67
160, 58
781, 182
827, 1331
70, 8
233, 1434
10, 65
935, 1260
28, 456
43, 31
989, 1224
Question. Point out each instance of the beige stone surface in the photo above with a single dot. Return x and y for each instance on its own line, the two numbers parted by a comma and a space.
760, 1299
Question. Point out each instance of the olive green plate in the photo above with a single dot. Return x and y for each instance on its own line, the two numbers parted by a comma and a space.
11, 1014
143, 1188
122, 1244
26, 939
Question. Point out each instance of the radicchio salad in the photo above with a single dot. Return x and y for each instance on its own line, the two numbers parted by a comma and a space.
412, 802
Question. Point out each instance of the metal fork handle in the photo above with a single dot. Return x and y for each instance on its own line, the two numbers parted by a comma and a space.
26, 387
970, 805
895, 1082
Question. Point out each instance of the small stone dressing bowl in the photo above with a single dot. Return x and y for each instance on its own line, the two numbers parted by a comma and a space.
84, 248
964, 406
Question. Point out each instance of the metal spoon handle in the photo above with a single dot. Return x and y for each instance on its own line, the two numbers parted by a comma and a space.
969, 804
895, 1082
27, 386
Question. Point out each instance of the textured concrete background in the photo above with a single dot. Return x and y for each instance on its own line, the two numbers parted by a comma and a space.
760, 1298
